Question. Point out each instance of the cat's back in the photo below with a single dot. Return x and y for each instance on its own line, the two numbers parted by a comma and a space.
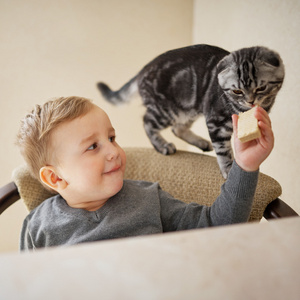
196, 51
195, 55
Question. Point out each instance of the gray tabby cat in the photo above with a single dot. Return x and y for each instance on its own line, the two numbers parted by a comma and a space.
180, 85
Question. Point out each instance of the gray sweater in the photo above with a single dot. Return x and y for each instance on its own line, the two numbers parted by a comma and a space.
140, 208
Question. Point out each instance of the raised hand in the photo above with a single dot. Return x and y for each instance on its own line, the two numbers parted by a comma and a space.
250, 155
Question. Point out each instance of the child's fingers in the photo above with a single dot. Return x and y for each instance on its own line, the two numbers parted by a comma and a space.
265, 128
265, 125
261, 115
234, 123
267, 138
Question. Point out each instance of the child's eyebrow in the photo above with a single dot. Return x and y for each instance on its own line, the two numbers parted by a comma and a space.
112, 130
87, 139
93, 136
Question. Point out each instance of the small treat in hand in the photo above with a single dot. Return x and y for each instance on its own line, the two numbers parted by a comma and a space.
248, 129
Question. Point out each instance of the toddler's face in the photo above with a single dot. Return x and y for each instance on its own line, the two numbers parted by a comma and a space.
89, 160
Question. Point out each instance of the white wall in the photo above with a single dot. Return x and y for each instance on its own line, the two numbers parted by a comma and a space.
62, 48
234, 24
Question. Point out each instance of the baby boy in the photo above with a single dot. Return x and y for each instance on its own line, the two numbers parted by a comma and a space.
69, 144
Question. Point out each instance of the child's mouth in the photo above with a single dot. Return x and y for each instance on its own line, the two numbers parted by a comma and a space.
115, 169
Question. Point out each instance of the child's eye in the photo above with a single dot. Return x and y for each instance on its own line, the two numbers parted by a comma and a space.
92, 147
112, 139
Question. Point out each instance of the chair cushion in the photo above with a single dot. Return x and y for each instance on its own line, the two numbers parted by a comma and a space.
188, 176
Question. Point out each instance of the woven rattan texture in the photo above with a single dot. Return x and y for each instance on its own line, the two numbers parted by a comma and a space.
188, 176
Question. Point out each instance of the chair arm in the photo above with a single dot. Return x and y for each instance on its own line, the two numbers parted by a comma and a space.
278, 209
8, 195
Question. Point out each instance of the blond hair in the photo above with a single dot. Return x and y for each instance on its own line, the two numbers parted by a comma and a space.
35, 131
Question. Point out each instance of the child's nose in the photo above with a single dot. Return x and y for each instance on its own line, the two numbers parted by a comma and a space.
112, 152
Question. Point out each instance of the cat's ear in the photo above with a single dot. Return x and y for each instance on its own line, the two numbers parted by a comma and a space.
223, 77
225, 72
269, 57
269, 63
224, 64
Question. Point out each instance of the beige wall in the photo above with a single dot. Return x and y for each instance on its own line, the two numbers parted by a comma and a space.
234, 24
61, 48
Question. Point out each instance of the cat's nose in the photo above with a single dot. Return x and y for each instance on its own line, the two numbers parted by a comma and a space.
251, 101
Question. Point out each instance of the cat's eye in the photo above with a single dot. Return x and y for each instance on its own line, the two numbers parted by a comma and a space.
238, 92
261, 89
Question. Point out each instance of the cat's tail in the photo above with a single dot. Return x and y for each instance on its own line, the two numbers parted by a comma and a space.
122, 95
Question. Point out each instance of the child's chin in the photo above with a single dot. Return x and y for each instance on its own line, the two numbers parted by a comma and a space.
118, 185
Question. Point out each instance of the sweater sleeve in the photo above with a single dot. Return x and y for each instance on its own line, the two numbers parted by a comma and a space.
233, 205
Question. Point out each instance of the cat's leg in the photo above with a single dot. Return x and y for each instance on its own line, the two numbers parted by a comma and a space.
153, 125
220, 133
184, 132
224, 156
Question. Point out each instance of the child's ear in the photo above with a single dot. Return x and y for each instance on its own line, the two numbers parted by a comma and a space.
49, 177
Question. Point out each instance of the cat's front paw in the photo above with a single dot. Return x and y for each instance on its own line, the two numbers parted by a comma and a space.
225, 166
225, 173
205, 146
225, 170
167, 149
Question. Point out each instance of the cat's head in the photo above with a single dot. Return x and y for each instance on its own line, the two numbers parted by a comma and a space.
251, 76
